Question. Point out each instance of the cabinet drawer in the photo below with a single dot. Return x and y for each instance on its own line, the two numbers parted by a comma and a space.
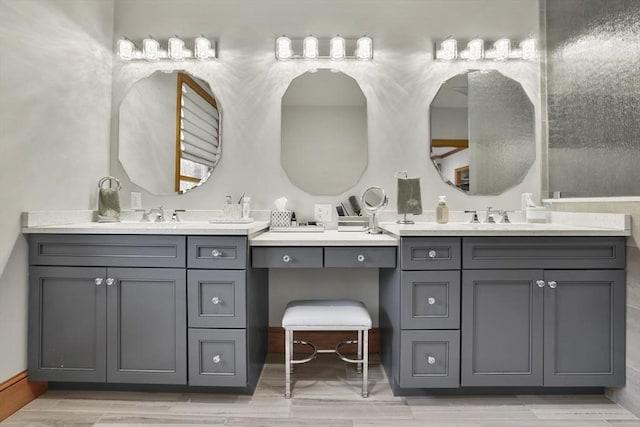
107, 250
286, 257
430, 359
543, 252
430, 253
430, 299
216, 298
217, 252
360, 257
217, 357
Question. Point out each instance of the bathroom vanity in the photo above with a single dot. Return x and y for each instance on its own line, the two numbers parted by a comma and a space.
461, 306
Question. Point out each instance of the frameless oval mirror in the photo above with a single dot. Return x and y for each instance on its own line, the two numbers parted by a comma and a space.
324, 132
374, 199
169, 132
482, 132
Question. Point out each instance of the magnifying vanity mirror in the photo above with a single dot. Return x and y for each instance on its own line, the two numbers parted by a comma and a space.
324, 132
373, 200
169, 132
482, 132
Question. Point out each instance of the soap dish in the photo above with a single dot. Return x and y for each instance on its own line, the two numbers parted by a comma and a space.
230, 220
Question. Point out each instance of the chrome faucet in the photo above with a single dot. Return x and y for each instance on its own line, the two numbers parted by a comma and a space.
505, 217
145, 214
159, 214
174, 215
489, 218
474, 217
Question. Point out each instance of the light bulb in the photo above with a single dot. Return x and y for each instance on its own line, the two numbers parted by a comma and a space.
476, 49
337, 48
529, 49
126, 49
503, 49
283, 48
202, 48
310, 47
150, 49
448, 50
176, 49
364, 48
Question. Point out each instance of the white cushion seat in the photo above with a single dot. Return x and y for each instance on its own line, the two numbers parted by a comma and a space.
345, 315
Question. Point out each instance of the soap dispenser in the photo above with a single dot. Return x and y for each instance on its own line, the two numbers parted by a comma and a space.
442, 211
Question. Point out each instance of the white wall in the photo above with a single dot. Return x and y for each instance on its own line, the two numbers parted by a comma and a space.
55, 81
399, 85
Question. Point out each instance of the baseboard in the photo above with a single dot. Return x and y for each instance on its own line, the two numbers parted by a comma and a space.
324, 340
17, 391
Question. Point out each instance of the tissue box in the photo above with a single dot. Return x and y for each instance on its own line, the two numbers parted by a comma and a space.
281, 218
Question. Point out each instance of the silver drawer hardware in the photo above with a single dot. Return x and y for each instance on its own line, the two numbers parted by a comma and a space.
216, 253
216, 358
286, 258
432, 253
99, 281
110, 281
431, 300
431, 360
215, 300
540, 283
553, 284
360, 258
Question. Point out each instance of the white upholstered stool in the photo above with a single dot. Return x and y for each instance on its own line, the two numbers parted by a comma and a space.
327, 315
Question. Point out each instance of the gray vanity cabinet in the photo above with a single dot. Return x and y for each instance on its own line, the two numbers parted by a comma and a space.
97, 324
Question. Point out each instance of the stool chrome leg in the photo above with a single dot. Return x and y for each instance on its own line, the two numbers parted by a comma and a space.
365, 364
359, 365
287, 363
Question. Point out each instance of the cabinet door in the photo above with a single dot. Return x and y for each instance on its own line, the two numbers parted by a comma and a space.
67, 327
584, 328
502, 328
146, 326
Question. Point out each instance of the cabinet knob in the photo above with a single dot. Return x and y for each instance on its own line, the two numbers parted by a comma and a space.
360, 258
540, 283
99, 281
432, 253
431, 360
216, 253
553, 284
216, 358
215, 300
431, 300
110, 281
286, 258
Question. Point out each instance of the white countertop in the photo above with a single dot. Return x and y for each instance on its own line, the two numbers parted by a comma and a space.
325, 238
517, 229
176, 228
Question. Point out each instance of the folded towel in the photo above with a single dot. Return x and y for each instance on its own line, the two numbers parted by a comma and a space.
108, 205
409, 197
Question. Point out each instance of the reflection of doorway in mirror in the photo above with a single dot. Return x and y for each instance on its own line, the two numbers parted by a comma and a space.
462, 178
450, 155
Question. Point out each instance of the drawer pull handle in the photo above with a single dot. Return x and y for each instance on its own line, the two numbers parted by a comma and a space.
216, 253
431, 360
540, 283
431, 300
553, 284
360, 258
215, 300
286, 258
99, 281
110, 281
432, 253
216, 358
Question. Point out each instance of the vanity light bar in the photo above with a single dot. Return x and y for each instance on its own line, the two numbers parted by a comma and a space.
313, 48
203, 50
501, 50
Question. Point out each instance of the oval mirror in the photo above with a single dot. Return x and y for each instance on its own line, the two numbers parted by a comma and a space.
169, 132
374, 199
324, 132
482, 132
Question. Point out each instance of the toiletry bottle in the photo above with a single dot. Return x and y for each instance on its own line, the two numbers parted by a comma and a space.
294, 221
442, 211
246, 206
